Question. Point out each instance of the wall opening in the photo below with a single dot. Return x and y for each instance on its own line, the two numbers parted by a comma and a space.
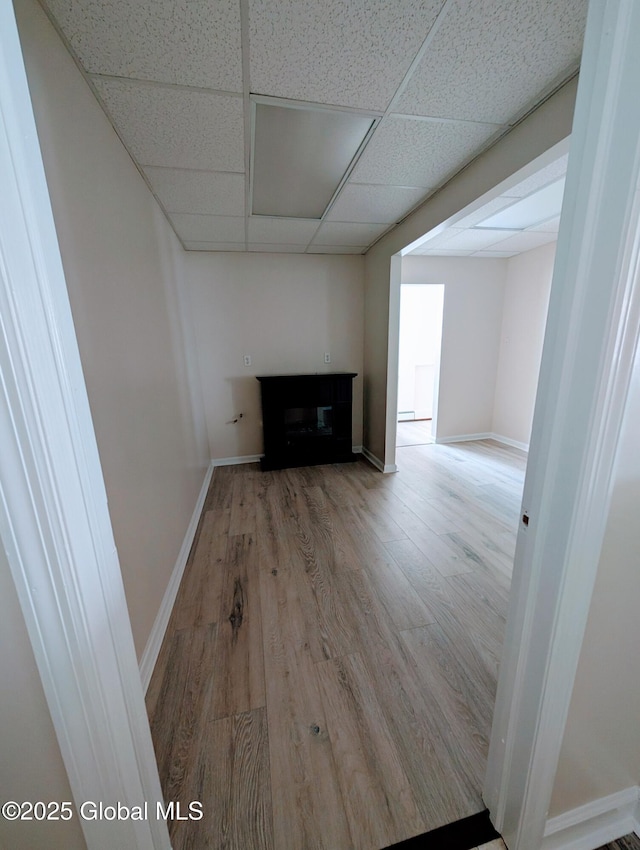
421, 307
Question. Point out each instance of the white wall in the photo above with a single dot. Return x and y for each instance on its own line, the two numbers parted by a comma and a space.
472, 318
122, 265
285, 311
31, 766
538, 133
601, 747
526, 300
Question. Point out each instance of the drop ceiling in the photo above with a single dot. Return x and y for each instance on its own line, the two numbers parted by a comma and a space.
524, 216
180, 81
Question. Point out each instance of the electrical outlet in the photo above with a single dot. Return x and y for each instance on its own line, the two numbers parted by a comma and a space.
247, 360
327, 357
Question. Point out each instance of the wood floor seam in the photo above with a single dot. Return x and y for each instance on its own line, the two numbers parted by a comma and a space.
328, 674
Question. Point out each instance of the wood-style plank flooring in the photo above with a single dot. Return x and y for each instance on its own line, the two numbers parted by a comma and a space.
328, 675
413, 432
628, 842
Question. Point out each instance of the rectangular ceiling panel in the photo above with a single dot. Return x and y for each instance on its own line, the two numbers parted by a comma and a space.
352, 53
490, 60
214, 246
295, 231
334, 233
300, 156
200, 192
176, 128
408, 152
186, 43
524, 241
208, 228
358, 202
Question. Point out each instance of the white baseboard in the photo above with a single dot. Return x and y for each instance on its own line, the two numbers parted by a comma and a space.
383, 467
596, 823
357, 450
232, 461
507, 441
152, 649
465, 438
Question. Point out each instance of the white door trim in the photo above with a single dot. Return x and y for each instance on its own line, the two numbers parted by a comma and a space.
54, 521
591, 338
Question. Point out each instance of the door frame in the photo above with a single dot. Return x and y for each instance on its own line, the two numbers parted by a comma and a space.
54, 519
590, 343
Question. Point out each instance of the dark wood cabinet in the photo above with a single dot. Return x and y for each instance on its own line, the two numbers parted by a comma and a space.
306, 419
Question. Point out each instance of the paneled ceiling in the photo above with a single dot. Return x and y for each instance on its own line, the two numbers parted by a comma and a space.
522, 217
441, 80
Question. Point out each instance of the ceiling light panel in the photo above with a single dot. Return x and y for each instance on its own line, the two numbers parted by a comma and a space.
489, 60
537, 207
407, 152
176, 128
328, 51
365, 203
201, 192
187, 43
300, 157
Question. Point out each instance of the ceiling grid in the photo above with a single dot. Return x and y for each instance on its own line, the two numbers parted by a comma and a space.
445, 79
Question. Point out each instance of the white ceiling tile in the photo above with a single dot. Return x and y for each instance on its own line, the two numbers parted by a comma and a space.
475, 240
491, 59
485, 211
176, 128
524, 241
292, 230
551, 226
208, 228
201, 192
365, 203
214, 246
549, 174
407, 152
335, 249
328, 51
188, 43
276, 248
343, 233
494, 254
440, 239
443, 252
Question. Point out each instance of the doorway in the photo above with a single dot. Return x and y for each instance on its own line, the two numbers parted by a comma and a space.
421, 308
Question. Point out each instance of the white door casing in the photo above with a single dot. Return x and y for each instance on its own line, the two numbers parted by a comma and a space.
54, 520
592, 333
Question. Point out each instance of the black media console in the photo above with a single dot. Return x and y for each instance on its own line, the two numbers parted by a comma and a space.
306, 419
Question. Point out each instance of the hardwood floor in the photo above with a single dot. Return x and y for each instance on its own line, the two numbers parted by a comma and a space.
328, 675
628, 842
414, 432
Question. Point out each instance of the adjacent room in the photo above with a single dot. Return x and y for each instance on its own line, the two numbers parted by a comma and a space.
254, 190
